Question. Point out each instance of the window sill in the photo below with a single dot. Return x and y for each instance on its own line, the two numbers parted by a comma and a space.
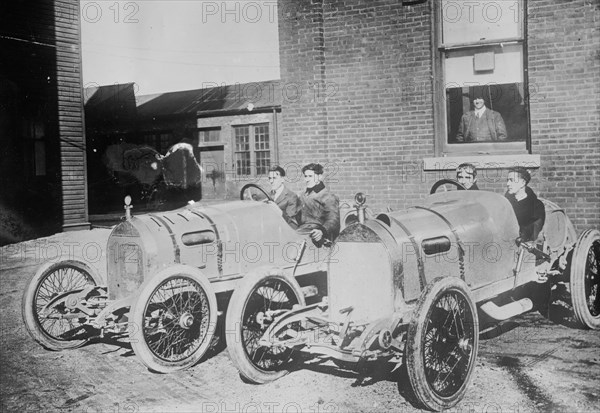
481, 162
210, 144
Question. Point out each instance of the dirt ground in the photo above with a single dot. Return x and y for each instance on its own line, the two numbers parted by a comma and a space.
532, 363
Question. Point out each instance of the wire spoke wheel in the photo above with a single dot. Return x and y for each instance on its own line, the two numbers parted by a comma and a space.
592, 279
448, 344
585, 279
173, 320
442, 343
254, 305
61, 325
176, 319
270, 297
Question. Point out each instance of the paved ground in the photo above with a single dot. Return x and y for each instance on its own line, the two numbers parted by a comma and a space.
532, 364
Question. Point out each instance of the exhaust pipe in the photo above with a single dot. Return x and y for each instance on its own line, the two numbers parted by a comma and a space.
507, 311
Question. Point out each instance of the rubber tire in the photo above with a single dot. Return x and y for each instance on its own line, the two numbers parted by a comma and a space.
237, 307
136, 319
414, 343
577, 279
28, 303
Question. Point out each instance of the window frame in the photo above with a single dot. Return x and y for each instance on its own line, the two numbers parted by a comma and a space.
254, 161
440, 111
160, 140
218, 142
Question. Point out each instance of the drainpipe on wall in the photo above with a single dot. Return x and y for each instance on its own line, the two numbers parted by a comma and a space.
275, 136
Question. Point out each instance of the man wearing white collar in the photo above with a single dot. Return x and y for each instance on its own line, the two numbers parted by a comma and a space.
481, 124
285, 199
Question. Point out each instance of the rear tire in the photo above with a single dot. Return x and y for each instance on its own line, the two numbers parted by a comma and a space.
442, 342
585, 279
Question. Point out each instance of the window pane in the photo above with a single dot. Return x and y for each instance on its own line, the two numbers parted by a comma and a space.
482, 66
507, 124
214, 135
209, 135
261, 137
465, 21
149, 140
497, 74
263, 161
242, 150
242, 138
242, 163
165, 143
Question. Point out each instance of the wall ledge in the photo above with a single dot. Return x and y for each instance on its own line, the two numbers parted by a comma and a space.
444, 163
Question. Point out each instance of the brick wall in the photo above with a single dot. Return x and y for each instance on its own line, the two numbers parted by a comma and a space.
375, 101
564, 74
302, 59
366, 111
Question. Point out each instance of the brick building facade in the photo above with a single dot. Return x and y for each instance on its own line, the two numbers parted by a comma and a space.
369, 99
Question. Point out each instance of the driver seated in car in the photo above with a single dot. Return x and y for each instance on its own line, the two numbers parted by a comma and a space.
319, 206
286, 199
466, 174
528, 208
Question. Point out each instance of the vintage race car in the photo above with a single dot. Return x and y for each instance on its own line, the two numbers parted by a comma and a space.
169, 275
412, 286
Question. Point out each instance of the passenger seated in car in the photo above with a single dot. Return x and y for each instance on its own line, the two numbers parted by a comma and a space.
528, 208
319, 205
466, 174
286, 200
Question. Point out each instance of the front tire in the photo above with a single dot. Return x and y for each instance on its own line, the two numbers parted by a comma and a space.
442, 342
260, 295
60, 328
173, 319
585, 279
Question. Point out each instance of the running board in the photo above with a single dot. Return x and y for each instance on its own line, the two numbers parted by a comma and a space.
507, 311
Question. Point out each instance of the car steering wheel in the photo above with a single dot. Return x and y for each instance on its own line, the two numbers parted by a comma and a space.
446, 181
247, 186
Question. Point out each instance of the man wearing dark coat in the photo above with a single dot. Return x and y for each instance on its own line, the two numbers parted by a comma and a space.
528, 208
319, 205
286, 200
481, 124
